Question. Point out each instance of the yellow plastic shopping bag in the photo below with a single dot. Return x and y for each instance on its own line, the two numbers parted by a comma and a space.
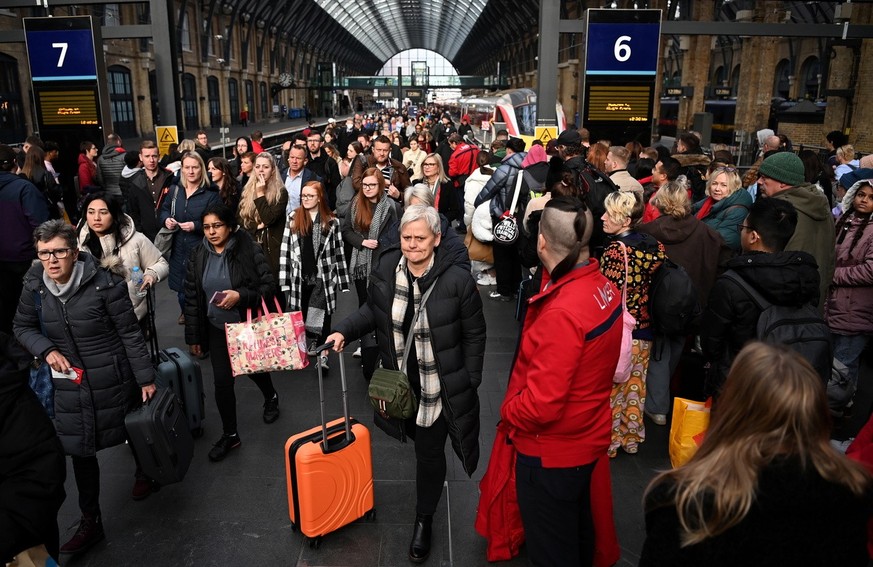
690, 421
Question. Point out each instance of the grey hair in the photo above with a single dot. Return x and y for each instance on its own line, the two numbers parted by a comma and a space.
51, 229
419, 191
422, 212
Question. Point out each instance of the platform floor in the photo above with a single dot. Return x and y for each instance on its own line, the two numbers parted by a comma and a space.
235, 512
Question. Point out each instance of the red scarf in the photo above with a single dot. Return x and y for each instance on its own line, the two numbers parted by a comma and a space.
704, 210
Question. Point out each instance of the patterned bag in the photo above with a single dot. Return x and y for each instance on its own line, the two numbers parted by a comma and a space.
270, 342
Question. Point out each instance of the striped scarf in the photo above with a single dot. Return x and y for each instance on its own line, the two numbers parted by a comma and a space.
430, 405
359, 265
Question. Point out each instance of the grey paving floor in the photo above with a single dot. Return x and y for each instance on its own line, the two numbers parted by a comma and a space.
236, 512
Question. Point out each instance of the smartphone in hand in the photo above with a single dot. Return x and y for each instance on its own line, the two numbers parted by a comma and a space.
217, 297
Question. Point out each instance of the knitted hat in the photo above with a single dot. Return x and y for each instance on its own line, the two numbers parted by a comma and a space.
785, 167
569, 138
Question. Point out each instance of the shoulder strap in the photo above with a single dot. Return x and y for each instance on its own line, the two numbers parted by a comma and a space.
412, 325
518, 179
37, 302
753, 293
624, 287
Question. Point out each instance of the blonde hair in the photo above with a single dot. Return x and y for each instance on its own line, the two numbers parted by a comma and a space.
204, 179
621, 205
846, 152
773, 406
734, 182
439, 161
672, 200
186, 145
248, 213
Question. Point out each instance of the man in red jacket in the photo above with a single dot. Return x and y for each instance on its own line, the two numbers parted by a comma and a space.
557, 402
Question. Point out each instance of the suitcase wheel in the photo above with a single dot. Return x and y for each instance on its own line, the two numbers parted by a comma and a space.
370, 516
315, 542
197, 433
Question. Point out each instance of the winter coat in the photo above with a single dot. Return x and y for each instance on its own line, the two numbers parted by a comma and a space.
500, 188
275, 220
135, 250
110, 164
399, 173
849, 307
814, 233
87, 173
250, 276
474, 184
457, 327
32, 468
97, 331
725, 215
446, 194
694, 246
141, 200
22, 209
355, 239
187, 210
626, 182
731, 317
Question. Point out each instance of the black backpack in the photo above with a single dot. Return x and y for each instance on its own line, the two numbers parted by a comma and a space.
673, 301
595, 185
799, 327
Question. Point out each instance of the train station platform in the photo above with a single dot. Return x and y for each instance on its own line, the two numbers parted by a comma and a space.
235, 512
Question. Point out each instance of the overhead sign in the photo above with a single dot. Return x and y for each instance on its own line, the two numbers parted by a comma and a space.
60, 49
621, 63
545, 133
415, 95
166, 135
387, 93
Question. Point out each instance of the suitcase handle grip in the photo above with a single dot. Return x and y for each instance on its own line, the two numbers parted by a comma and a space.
336, 443
325, 346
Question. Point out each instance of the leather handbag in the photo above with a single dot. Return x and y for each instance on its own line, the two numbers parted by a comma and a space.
164, 237
506, 229
389, 390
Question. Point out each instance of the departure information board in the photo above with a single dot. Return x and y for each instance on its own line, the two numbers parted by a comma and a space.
69, 108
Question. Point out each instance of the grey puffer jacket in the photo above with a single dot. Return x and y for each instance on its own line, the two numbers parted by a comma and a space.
457, 326
110, 164
96, 331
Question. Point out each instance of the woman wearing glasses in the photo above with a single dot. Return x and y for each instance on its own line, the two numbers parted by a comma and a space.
725, 206
227, 274
77, 317
180, 212
312, 264
262, 209
413, 157
442, 188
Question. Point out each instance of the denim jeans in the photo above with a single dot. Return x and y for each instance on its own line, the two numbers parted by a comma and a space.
848, 349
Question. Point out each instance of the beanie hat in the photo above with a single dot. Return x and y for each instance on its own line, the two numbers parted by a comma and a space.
784, 167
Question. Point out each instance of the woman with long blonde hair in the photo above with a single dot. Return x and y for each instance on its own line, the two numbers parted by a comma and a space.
262, 208
312, 264
765, 487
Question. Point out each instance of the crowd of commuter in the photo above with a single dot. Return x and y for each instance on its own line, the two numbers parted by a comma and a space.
404, 209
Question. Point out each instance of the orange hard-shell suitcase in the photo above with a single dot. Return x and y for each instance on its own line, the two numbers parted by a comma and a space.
329, 486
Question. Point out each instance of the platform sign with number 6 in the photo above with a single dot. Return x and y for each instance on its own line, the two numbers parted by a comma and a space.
621, 64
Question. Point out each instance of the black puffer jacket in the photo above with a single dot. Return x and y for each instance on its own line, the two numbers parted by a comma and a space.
457, 326
108, 346
250, 275
731, 317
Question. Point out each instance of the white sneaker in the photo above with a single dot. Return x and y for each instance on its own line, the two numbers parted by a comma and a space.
486, 279
357, 353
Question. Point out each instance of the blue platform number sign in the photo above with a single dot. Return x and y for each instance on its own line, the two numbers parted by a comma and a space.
622, 48
60, 49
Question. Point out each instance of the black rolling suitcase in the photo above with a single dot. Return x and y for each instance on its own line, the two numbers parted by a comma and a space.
176, 370
160, 437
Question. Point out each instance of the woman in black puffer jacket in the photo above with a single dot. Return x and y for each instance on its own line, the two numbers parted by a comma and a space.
68, 295
445, 359
228, 262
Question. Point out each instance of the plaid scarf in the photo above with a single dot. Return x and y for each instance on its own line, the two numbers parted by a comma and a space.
359, 265
430, 404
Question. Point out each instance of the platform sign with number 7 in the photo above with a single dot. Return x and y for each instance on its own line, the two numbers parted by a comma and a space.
60, 49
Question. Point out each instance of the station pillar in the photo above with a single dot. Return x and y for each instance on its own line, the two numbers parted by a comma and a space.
757, 69
695, 71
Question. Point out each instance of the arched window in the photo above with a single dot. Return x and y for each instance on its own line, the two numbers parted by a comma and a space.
214, 102
811, 77
12, 126
735, 80
121, 101
262, 94
250, 99
233, 98
189, 101
719, 76
153, 94
780, 83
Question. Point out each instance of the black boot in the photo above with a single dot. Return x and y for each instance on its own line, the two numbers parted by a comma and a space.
419, 548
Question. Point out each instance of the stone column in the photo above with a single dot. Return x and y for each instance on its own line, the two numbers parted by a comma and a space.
757, 68
695, 68
852, 115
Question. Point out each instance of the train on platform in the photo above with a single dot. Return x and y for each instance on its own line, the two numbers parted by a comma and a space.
723, 117
516, 108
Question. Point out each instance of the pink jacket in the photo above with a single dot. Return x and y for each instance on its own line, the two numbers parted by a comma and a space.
849, 307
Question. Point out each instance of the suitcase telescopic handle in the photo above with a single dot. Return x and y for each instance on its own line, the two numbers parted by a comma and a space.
348, 422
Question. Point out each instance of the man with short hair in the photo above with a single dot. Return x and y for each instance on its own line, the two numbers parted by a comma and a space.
110, 165
556, 409
323, 165
782, 276
257, 139
395, 173
22, 208
145, 186
781, 176
297, 176
665, 170
616, 167
201, 145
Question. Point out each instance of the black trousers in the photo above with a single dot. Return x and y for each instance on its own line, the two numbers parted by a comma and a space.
555, 509
87, 473
430, 465
369, 350
11, 284
225, 397
507, 266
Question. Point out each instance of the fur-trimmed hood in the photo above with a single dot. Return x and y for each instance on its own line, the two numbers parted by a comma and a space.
114, 264
692, 159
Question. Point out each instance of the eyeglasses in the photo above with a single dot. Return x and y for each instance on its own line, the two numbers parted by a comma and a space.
59, 253
740, 227
369, 185
308, 197
429, 164
214, 226
725, 169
